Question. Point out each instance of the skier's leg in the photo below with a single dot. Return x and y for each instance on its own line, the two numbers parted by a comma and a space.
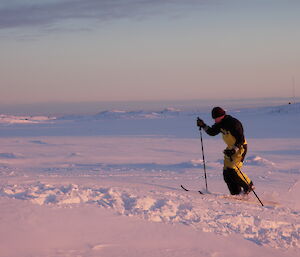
234, 165
230, 177
244, 181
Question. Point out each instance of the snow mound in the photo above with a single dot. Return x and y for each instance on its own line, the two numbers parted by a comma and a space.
264, 226
293, 194
156, 166
11, 119
8, 156
38, 142
258, 161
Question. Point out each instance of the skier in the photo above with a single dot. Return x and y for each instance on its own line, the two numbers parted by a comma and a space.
234, 154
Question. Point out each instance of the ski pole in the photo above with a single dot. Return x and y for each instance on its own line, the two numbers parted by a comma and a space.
203, 159
247, 182
251, 189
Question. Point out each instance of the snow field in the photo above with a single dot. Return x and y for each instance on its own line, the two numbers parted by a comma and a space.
104, 185
274, 225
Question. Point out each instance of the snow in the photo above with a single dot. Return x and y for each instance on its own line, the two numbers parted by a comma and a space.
108, 184
11, 119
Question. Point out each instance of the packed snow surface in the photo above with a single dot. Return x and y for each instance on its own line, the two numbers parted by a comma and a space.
109, 185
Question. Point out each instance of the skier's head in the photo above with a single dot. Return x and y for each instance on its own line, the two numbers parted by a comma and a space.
217, 113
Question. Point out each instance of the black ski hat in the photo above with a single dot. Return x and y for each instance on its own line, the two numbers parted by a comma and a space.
217, 112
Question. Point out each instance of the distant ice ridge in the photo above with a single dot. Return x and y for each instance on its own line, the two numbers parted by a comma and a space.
291, 108
264, 226
11, 119
168, 112
121, 114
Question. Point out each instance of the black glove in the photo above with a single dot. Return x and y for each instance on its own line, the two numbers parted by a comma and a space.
200, 123
229, 152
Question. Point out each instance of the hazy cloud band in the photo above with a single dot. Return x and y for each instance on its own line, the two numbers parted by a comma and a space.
30, 15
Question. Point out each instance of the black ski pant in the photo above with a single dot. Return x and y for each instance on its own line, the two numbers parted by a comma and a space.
234, 182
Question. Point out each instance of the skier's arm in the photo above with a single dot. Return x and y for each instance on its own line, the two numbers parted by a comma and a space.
213, 130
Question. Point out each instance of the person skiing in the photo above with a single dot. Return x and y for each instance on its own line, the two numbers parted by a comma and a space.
235, 152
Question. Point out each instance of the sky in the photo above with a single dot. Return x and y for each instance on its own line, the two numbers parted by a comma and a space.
148, 50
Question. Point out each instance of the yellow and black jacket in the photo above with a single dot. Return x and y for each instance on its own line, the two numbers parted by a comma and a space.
231, 129
233, 135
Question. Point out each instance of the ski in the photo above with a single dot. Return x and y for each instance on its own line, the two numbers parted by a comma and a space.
237, 198
185, 189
